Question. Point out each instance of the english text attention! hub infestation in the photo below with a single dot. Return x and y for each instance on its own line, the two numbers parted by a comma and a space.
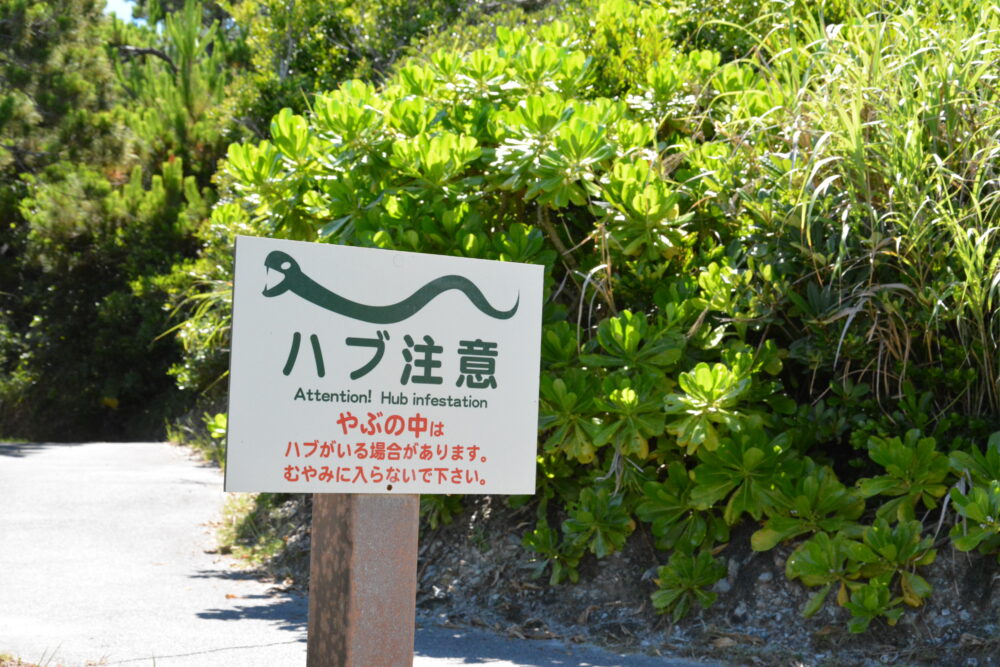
388, 397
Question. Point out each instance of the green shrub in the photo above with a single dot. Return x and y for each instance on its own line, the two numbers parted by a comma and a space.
753, 311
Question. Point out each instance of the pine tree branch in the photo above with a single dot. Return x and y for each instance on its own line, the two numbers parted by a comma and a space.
126, 52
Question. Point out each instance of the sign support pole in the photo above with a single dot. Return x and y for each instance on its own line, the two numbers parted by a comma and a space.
363, 580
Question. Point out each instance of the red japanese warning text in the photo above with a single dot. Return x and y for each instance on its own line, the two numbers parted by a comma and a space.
441, 475
353, 460
377, 423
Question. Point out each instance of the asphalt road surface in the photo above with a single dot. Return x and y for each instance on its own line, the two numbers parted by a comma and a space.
105, 559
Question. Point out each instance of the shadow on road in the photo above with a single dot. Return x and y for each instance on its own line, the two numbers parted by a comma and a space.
286, 610
230, 575
467, 646
435, 645
287, 613
22, 449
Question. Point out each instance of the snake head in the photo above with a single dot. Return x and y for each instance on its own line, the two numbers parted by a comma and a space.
285, 267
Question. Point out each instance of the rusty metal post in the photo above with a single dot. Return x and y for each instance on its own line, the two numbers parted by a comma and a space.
363, 580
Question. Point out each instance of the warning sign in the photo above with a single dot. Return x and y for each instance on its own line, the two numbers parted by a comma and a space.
355, 370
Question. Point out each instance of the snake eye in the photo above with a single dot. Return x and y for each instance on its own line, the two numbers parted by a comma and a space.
285, 266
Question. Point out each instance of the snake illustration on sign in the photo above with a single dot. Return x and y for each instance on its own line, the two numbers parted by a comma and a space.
294, 280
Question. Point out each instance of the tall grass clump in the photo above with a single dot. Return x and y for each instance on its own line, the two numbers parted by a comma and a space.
877, 188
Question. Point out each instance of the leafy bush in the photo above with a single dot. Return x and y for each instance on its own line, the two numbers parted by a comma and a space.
510, 152
683, 580
754, 311
866, 571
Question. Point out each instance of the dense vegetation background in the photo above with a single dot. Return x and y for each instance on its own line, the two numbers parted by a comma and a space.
769, 239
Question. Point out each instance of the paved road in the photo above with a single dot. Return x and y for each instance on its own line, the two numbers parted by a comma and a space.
103, 560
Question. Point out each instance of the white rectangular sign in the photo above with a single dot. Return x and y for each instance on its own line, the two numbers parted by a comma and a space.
356, 370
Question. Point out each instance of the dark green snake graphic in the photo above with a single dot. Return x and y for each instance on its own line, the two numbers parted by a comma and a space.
295, 281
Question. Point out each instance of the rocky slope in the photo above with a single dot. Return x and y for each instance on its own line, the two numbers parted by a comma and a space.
475, 572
